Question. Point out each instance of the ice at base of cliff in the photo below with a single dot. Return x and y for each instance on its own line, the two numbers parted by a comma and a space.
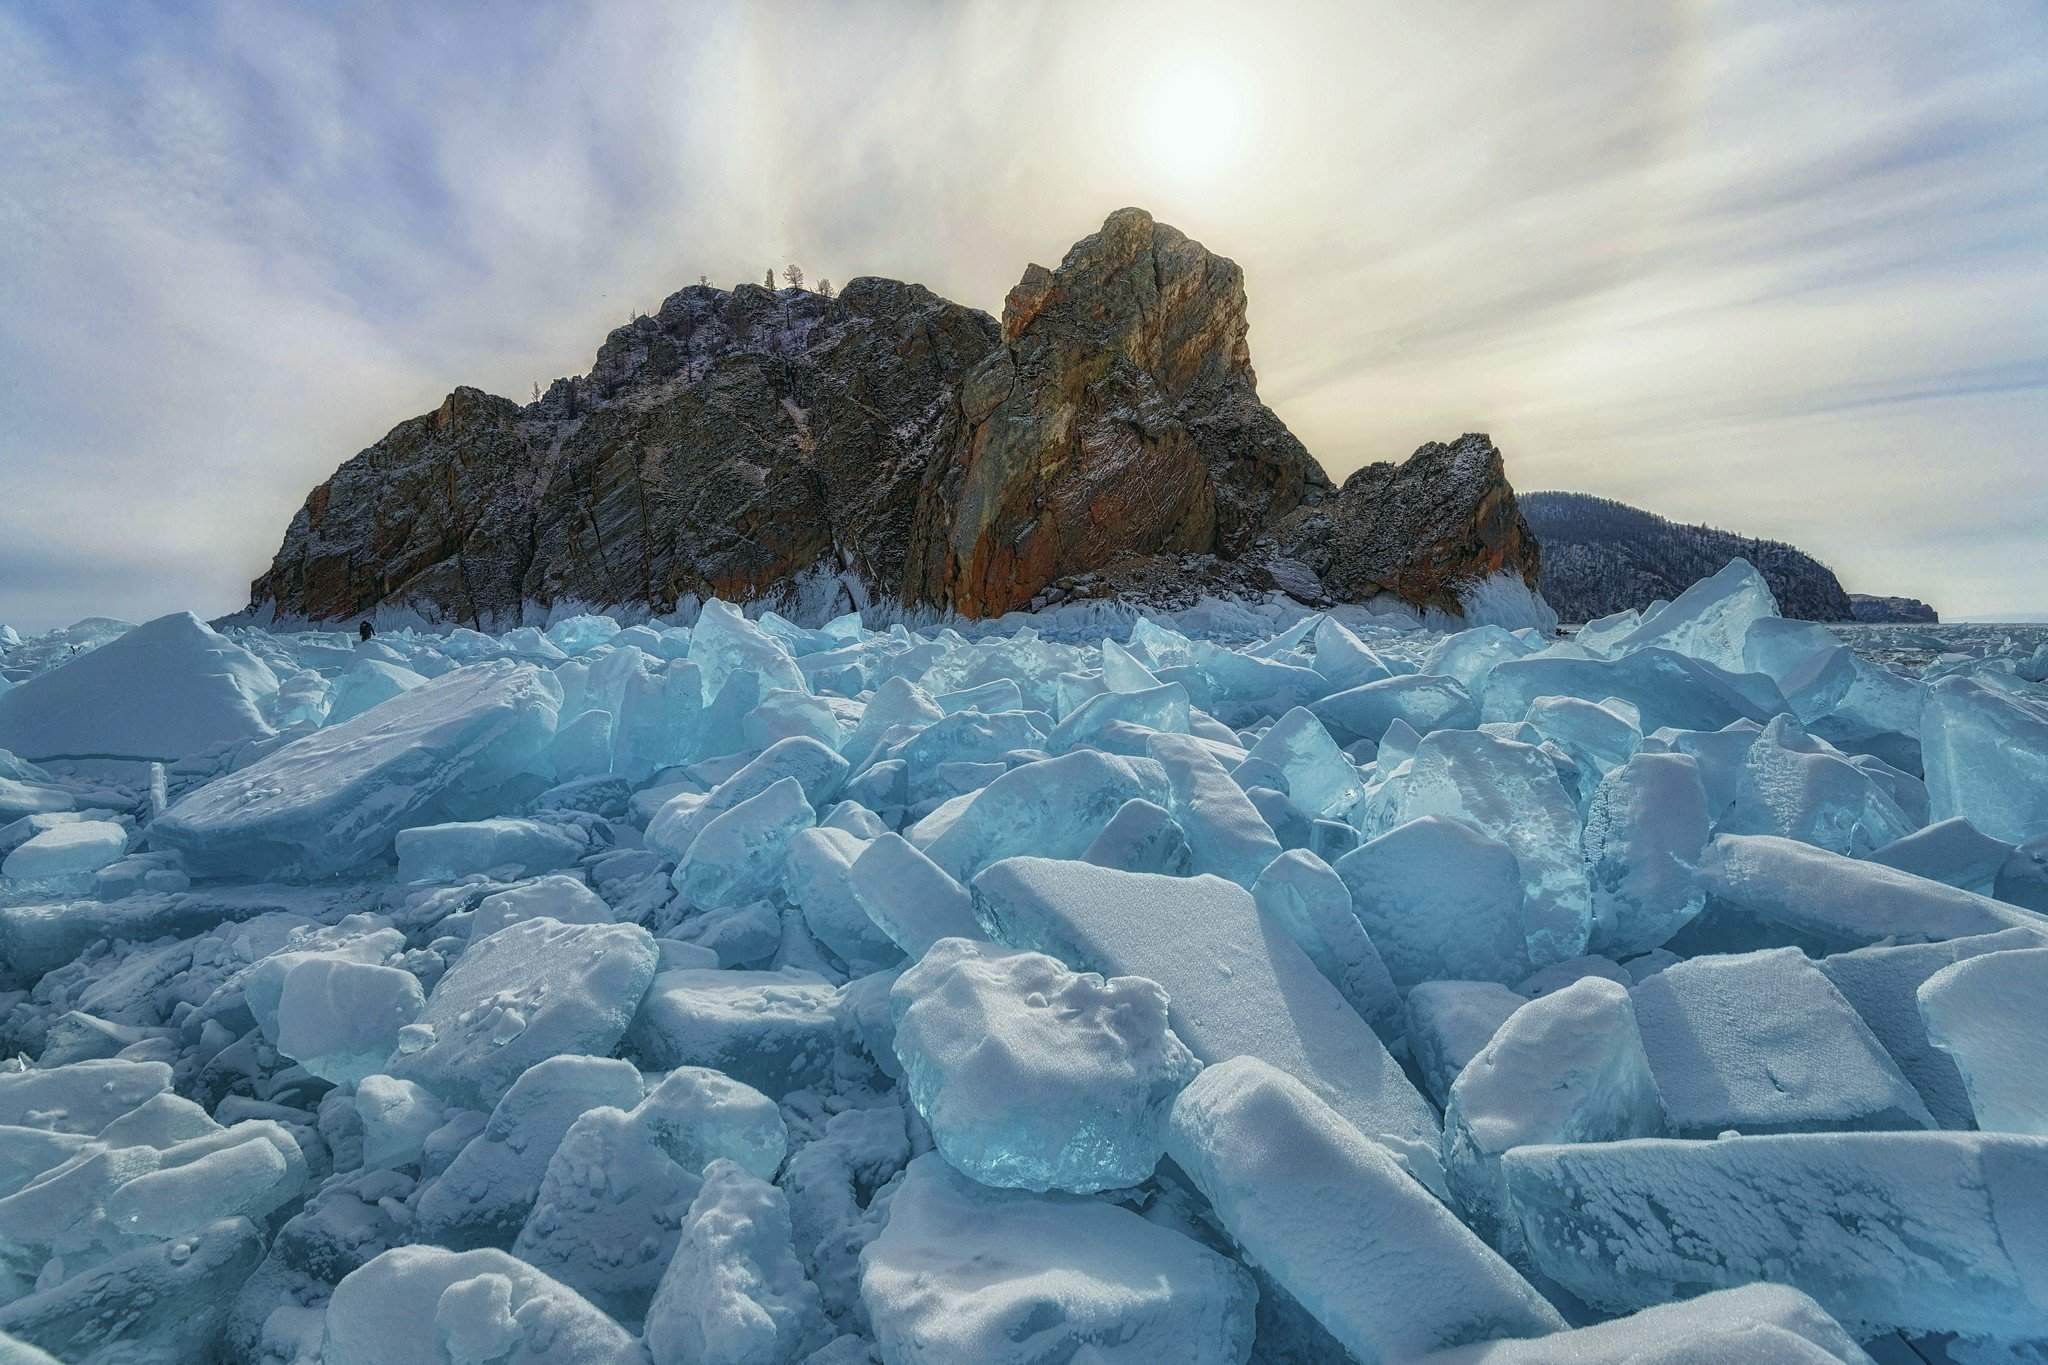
1235, 983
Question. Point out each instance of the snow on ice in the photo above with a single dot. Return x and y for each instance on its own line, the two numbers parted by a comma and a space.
1237, 984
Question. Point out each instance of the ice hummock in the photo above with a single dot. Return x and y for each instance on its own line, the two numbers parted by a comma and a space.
529, 996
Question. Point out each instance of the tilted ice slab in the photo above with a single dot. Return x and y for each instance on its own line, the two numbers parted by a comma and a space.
1846, 902
161, 691
1986, 754
337, 798
1763, 1042
1367, 1251
1758, 1324
961, 1273
1569, 1067
1922, 1232
1882, 984
1236, 984
1986, 1012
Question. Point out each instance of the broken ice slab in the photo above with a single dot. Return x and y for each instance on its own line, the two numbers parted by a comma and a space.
1920, 1232
1843, 902
1236, 983
1371, 1254
1763, 1042
337, 798
960, 1272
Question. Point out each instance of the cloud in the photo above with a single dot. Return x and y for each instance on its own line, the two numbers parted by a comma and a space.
1766, 263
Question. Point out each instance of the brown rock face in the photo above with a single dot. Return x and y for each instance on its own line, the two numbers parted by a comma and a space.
818, 455
1419, 530
1119, 418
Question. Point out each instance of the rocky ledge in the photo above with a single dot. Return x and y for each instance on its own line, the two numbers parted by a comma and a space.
887, 445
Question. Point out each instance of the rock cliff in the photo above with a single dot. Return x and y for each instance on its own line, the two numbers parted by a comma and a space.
888, 445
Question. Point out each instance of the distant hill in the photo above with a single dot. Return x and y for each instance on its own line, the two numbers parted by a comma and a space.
1601, 556
1892, 610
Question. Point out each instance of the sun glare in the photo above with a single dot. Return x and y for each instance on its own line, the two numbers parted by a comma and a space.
1192, 121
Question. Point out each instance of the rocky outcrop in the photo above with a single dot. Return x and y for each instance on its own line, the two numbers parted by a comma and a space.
1892, 611
1419, 530
1119, 418
824, 454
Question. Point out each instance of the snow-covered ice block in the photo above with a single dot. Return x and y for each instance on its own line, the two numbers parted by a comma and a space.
210, 1178
1921, 1232
1985, 750
416, 1305
367, 683
66, 852
1763, 1042
734, 1292
1371, 1254
397, 1118
738, 856
1646, 831
1419, 700
909, 897
160, 691
1803, 788
526, 993
449, 852
1511, 791
1986, 1013
1033, 1076
487, 1191
775, 1031
1882, 982
604, 1221
1004, 1277
1226, 834
159, 1304
1569, 1067
356, 938
1305, 896
340, 1019
336, 798
1758, 1324
1846, 902
1440, 901
699, 1116
1235, 984
1142, 837
1320, 779
560, 896
1052, 808
1448, 1022
81, 1098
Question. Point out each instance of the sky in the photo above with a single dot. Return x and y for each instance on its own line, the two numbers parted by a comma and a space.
1776, 265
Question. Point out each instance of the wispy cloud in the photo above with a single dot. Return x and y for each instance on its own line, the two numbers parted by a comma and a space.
1774, 264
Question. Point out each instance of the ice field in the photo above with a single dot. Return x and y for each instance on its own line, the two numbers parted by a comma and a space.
1242, 985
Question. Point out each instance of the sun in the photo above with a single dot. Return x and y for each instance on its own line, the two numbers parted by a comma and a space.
1192, 121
